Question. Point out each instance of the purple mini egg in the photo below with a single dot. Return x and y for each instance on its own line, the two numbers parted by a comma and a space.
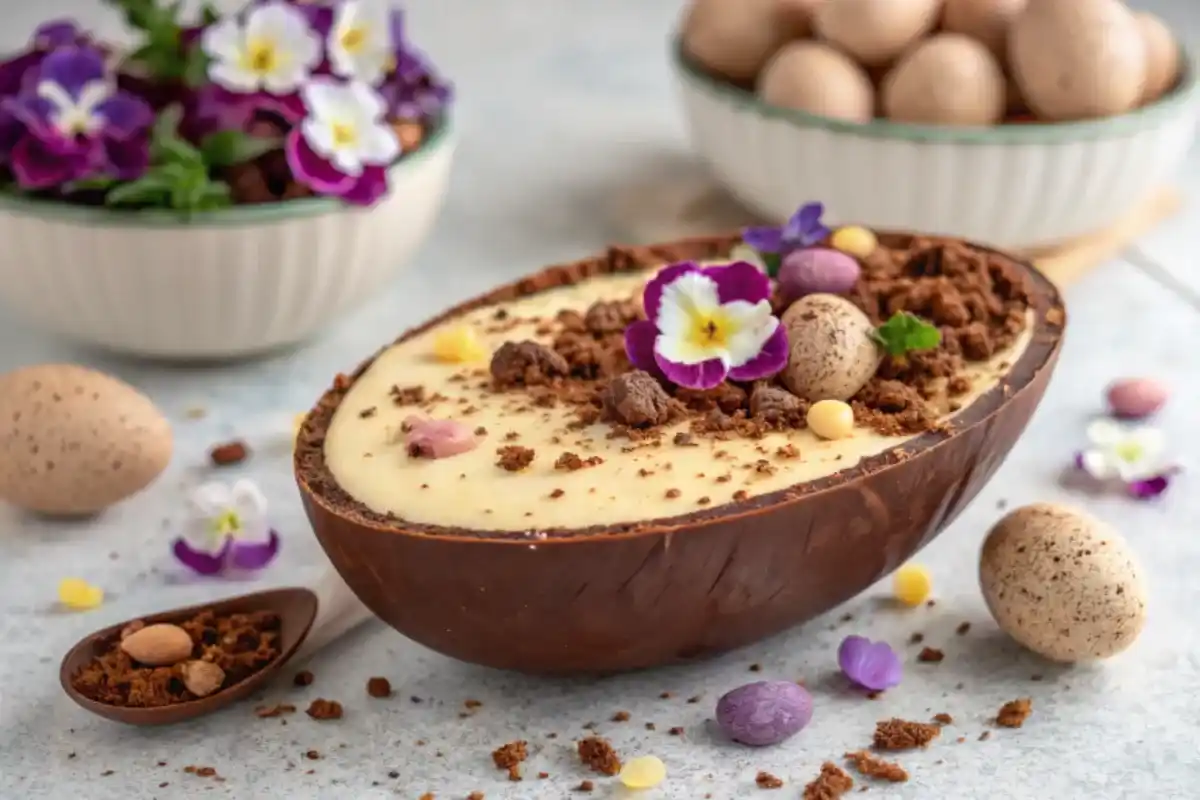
764, 713
817, 270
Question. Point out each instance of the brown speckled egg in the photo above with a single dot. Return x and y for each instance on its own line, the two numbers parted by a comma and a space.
875, 32
736, 39
1163, 57
814, 77
948, 79
1062, 583
985, 21
74, 441
832, 351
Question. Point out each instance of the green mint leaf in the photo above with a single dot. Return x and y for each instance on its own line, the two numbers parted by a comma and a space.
166, 145
906, 333
152, 189
772, 262
195, 68
85, 184
227, 148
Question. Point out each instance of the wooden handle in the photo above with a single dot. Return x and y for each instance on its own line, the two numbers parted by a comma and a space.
338, 612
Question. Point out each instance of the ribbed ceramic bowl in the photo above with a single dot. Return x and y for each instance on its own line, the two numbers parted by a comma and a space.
1012, 186
224, 284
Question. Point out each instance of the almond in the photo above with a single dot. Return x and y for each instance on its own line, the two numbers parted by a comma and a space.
202, 678
158, 645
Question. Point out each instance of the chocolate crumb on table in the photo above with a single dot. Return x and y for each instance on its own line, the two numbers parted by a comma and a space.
322, 709
228, 454
379, 687
916, 638
303, 678
830, 784
509, 757
874, 767
475, 796
963, 628
598, 754
765, 780
902, 734
277, 710
930, 655
1014, 713
676, 731
585, 786
942, 718
621, 716
514, 458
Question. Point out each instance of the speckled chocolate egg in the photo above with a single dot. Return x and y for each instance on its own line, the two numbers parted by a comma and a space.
74, 441
1062, 583
985, 21
814, 77
832, 350
764, 713
736, 39
948, 79
1078, 60
875, 32
1163, 57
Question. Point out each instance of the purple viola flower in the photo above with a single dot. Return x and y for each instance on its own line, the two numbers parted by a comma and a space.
77, 124
48, 37
803, 229
228, 530
871, 665
1131, 457
413, 91
706, 324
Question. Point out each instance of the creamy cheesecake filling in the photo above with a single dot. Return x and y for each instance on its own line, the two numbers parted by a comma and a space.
367, 456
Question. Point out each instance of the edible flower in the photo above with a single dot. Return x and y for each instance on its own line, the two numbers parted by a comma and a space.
228, 530
360, 44
272, 49
77, 124
1135, 457
803, 229
344, 146
706, 324
48, 37
79, 595
437, 438
871, 665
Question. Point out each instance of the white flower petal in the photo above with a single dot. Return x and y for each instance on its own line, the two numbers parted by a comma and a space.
348, 161
1105, 433
230, 75
379, 146
223, 41
1097, 464
682, 350
210, 500
248, 501
755, 327
319, 136
275, 20
1151, 441
683, 300
285, 81
370, 104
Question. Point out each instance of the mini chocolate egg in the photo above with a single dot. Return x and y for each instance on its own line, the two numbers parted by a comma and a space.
74, 441
985, 21
1163, 58
1136, 398
817, 270
948, 79
1062, 583
764, 713
875, 32
832, 350
736, 39
814, 77
1078, 60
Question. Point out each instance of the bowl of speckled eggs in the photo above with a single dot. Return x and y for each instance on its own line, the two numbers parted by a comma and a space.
1017, 123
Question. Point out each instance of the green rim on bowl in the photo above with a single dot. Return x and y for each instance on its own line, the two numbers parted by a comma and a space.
1024, 133
254, 214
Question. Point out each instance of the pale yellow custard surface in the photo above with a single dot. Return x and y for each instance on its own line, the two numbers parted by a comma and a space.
366, 453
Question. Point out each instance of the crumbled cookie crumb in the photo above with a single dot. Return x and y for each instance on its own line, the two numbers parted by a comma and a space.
526, 363
916, 638
676, 731
312, 755
514, 458
509, 757
303, 678
323, 709
379, 687
765, 780
901, 734
832, 783
963, 628
277, 710
599, 755
585, 786
621, 716
873, 767
475, 796
229, 453
637, 400
1014, 713
930, 655
943, 718
570, 462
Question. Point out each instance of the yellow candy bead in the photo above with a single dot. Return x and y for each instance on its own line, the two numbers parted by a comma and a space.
79, 595
912, 584
643, 772
831, 419
458, 345
854, 240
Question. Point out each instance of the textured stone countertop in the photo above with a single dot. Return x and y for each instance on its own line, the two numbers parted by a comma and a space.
565, 109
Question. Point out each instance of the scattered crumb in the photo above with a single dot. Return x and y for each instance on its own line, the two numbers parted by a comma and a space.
470, 704
509, 757
599, 755
931, 655
585, 786
832, 783
201, 772
756, 667
621, 716
313, 755
277, 710
765, 780
963, 628
983, 737
1014, 713
676, 731
475, 796
916, 638
228, 454
943, 718
901, 734
873, 767
323, 709
303, 678
514, 458
379, 687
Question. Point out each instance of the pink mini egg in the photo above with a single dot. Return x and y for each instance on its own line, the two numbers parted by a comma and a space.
817, 270
1134, 398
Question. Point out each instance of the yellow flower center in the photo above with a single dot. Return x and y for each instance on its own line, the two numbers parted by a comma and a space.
261, 56
1130, 451
344, 134
710, 330
354, 39
227, 523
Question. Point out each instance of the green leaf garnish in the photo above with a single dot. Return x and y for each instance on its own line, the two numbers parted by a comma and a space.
152, 189
160, 51
166, 145
905, 333
771, 262
227, 148
96, 182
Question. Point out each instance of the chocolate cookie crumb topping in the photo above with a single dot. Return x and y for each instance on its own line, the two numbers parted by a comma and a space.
322, 709
930, 655
1014, 713
765, 780
636, 399
509, 757
777, 407
599, 755
901, 734
832, 783
873, 767
526, 363
514, 458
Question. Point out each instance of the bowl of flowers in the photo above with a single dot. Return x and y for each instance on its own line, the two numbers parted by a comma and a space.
229, 186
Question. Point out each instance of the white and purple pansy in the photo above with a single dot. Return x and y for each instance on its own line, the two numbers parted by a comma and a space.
270, 49
360, 45
77, 124
803, 229
1133, 457
706, 324
228, 530
344, 144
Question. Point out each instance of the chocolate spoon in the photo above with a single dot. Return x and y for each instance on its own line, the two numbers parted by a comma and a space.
310, 619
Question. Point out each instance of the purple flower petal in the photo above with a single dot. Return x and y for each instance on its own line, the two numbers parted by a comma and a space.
871, 665
56, 33
396, 32
639, 346
770, 360
36, 167
1079, 460
289, 106
14, 72
72, 68
1150, 487
804, 228
368, 188
126, 159
254, 555
34, 113
652, 296
125, 115
739, 281
200, 561
764, 238
320, 175
705, 375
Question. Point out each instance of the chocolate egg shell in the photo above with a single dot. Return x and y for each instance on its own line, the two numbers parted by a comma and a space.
596, 599
1135, 398
764, 713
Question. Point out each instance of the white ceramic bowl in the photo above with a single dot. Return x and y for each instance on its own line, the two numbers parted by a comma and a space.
1013, 186
225, 284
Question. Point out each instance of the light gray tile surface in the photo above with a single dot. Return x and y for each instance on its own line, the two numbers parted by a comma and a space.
563, 106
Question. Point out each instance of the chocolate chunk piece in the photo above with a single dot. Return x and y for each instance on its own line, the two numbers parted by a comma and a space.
636, 399
526, 363
609, 317
775, 405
